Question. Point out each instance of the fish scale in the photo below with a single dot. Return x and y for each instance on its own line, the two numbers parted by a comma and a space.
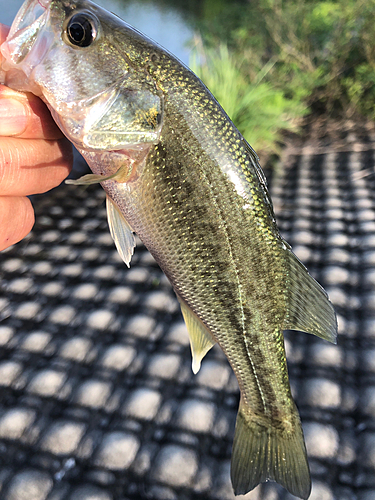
179, 174
200, 291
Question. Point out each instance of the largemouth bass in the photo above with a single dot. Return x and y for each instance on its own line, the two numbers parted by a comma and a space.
179, 174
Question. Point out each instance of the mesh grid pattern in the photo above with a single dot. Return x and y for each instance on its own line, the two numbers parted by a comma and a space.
98, 400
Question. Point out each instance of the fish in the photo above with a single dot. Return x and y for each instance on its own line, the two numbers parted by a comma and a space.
178, 173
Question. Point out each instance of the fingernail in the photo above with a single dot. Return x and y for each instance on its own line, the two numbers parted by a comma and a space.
13, 117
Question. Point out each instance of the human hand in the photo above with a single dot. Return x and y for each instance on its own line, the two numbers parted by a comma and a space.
34, 157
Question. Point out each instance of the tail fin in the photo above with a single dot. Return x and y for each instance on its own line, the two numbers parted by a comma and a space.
268, 453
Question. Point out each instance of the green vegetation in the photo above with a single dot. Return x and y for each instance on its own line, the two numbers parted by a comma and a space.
259, 109
270, 62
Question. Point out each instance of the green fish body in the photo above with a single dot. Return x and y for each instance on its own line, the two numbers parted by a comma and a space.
179, 174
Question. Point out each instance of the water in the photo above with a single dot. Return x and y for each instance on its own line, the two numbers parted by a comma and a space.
163, 24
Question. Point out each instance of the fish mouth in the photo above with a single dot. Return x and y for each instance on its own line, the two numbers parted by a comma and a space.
29, 12
19, 45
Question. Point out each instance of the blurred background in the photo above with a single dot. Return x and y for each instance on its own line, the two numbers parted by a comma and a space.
97, 397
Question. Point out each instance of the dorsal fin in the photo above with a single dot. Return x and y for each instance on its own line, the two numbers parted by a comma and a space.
309, 309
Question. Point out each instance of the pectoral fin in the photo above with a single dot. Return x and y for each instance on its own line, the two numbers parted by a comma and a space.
121, 232
121, 175
201, 340
309, 309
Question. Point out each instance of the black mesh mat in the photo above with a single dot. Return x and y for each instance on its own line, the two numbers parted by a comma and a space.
98, 400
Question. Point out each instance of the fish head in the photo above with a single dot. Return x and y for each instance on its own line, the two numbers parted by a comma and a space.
74, 55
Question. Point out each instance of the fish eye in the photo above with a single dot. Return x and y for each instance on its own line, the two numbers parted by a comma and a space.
81, 30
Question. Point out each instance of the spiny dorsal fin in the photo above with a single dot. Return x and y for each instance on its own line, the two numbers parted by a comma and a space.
263, 452
121, 232
201, 340
309, 309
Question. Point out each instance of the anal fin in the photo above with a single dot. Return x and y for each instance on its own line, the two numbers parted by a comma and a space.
121, 232
308, 307
201, 340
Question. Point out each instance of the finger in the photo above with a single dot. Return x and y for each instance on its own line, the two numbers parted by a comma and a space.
30, 166
16, 220
25, 116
